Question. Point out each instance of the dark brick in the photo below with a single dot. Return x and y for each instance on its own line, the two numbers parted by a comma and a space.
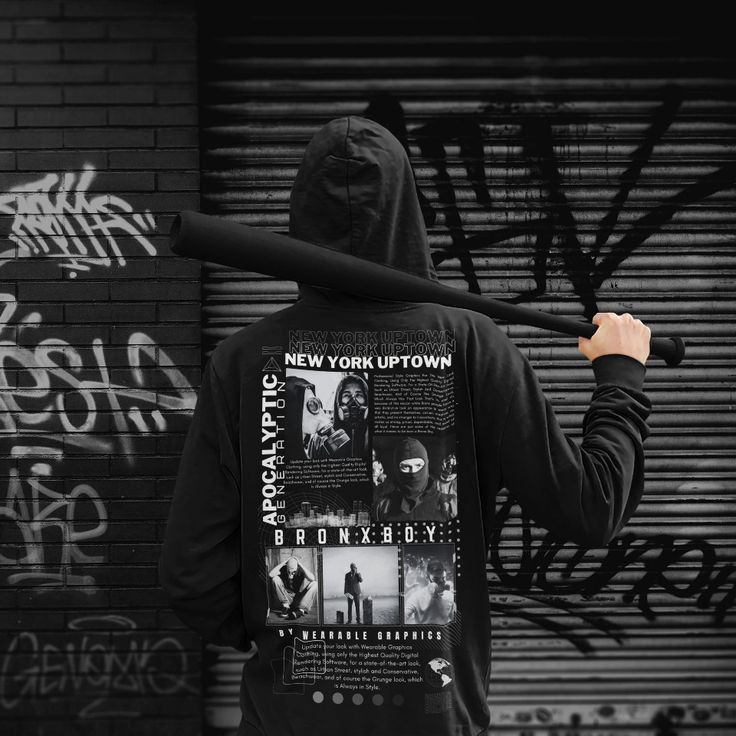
50, 313
129, 312
109, 138
63, 117
7, 119
177, 95
130, 531
74, 334
14, 94
167, 291
109, 94
119, 443
30, 9
60, 160
22, 52
164, 159
60, 73
180, 312
152, 377
145, 466
168, 51
176, 181
7, 161
127, 554
30, 620
138, 509
124, 597
58, 30
61, 598
154, 29
32, 268
170, 444
133, 268
182, 355
174, 115
110, 488
119, 51
181, 73
161, 334
128, 575
33, 138
52, 292
108, 10
184, 268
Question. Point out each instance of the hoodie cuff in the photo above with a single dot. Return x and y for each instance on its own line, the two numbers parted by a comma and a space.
621, 370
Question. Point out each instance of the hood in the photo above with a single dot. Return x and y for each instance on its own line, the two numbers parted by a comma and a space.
355, 193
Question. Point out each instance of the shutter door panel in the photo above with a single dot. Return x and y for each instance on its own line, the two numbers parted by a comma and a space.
638, 151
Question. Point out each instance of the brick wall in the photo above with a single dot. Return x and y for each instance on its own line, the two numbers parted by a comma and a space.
100, 362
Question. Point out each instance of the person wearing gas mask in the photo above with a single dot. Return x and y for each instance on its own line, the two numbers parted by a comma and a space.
351, 414
410, 493
434, 602
309, 433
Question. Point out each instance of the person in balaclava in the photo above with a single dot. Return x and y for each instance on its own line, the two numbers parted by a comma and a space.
355, 193
309, 433
351, 414
411, 493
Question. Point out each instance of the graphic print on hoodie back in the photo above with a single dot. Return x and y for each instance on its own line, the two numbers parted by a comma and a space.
359, 462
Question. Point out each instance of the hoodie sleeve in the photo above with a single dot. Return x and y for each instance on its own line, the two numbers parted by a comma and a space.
581, 492
199, 566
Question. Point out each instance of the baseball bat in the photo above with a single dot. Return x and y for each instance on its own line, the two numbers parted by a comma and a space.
216, 240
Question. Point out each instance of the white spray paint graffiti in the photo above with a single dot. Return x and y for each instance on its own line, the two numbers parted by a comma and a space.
57, 397
54, 217
41, 511
108, 660
38, 384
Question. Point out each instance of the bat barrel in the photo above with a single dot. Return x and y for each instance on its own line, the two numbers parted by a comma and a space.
215, 240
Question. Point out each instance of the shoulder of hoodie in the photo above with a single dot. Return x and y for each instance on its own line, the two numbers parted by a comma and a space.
237, 353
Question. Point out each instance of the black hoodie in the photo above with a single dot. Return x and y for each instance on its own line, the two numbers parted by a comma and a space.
448, 378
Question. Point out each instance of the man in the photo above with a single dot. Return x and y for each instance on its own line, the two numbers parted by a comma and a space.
294, 589
411, 494
434, 601
355, 192
352, 591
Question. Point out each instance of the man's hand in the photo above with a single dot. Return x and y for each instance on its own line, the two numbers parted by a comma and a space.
617, 334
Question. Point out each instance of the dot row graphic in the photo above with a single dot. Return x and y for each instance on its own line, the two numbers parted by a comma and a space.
357, 698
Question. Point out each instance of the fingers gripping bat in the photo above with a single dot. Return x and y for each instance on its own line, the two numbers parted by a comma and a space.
215, 240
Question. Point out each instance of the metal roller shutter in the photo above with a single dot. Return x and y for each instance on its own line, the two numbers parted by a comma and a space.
582, 174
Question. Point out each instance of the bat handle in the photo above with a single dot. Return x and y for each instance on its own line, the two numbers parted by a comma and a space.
670, 349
